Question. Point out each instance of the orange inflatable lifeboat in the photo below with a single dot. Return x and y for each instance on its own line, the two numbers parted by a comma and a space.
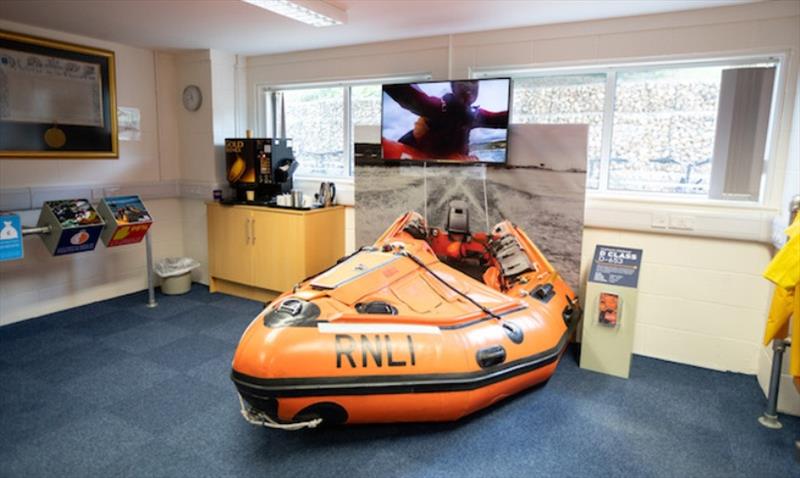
404, 332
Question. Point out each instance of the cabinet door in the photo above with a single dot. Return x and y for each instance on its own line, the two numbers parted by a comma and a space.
325, 246
278, 250
229, 237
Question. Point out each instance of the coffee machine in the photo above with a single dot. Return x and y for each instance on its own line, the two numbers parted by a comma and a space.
259, 169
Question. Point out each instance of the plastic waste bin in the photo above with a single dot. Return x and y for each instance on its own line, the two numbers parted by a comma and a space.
176, 274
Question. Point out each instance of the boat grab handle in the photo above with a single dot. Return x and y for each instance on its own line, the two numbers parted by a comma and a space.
263, 420
491, 356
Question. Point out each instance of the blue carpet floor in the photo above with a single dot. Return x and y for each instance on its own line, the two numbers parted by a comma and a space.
117, 389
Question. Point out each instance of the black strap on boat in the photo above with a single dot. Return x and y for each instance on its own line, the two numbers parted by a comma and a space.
440, 279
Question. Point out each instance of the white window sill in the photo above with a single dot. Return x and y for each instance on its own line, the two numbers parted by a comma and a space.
690, 217
681, 200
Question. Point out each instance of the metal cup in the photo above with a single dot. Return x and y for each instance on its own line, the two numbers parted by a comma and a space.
297, 199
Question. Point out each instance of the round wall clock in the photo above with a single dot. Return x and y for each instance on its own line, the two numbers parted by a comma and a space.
192, 98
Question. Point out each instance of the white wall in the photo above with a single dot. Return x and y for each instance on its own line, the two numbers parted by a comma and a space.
40, 284
198, 167
703, 301
202, 136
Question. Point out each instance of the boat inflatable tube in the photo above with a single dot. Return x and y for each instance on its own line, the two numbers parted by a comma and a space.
425, 325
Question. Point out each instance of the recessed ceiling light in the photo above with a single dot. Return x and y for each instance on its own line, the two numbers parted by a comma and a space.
316, 13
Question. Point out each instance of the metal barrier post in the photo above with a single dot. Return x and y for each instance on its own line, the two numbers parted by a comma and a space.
770, 417
151, 291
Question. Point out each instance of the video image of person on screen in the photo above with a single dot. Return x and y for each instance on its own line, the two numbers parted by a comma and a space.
443, 125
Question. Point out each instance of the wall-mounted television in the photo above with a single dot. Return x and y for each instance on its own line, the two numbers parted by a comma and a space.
450, 121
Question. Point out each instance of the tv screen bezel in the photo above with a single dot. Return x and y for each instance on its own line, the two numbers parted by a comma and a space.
449, 161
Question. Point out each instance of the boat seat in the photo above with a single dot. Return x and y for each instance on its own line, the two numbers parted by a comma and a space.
458, 218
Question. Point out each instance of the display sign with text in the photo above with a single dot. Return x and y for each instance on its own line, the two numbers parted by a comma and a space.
611, 298
616, 266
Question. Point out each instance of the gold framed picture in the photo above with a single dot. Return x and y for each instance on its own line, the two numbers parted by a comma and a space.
57, 100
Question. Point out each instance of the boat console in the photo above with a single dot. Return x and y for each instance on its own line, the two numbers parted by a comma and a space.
474, 254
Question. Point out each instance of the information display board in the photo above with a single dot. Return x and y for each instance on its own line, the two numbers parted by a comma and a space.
127, 220
10, 237
608, 326
75, 226
616, 266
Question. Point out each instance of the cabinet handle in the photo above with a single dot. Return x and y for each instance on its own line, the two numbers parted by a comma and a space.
247, 231
253, 231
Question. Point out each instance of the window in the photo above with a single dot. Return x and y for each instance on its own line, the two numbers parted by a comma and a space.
365, 111
315, 120
695, 130
565, 99
663, 129
325, 121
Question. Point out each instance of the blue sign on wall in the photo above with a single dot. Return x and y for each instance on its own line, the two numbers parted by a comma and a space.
10, 237
616, 266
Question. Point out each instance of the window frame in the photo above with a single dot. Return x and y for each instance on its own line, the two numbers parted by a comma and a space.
266, 112
612, 69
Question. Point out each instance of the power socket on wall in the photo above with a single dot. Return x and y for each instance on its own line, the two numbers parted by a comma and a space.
660, 220
682, 223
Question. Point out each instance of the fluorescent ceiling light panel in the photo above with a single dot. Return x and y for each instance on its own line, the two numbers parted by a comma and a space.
313, 12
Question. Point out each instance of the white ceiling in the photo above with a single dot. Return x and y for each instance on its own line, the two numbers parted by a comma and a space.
238, 27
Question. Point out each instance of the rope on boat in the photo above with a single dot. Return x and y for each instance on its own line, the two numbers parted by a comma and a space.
263, 420
449, 286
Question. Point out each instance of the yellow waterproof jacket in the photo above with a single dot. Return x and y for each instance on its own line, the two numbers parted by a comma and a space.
784, 271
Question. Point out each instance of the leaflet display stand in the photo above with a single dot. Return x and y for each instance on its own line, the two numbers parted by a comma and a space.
610, 310
127, 220
74, 226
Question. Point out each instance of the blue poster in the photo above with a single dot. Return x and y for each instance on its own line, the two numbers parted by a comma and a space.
10, 237
616, 266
